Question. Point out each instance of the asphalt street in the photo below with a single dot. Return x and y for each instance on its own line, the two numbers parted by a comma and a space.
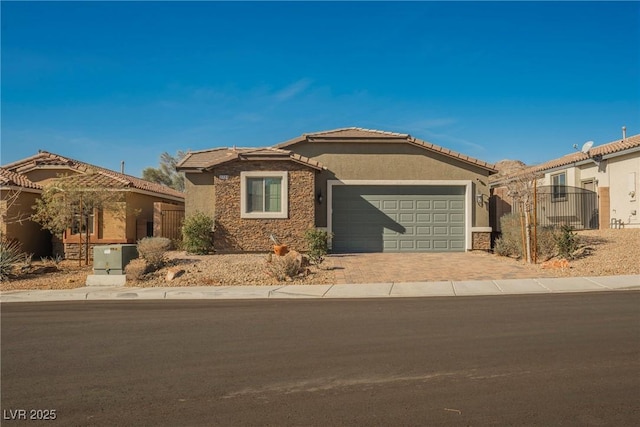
564, 359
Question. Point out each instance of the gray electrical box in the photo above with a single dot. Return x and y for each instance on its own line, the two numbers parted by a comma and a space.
112, 259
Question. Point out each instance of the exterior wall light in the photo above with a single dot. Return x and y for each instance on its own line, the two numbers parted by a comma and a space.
479, 199
320, 196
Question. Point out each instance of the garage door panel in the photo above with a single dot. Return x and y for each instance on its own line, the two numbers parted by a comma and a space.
407, 205
441, 244
456, 205
423, 231
389, 205
456, 218
398, 218
440, 217
407, 218
456, 231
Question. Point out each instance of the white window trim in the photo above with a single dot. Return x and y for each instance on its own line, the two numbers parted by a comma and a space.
284, 199
563, 197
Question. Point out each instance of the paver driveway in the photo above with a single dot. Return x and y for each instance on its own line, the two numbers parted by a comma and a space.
429, 267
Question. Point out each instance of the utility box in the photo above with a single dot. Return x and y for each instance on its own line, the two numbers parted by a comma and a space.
112, 259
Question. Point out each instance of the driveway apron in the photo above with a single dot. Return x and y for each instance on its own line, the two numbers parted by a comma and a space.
429, 267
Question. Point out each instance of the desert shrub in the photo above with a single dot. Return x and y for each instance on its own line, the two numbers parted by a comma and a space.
507, 247
10, 254
196, 233
283, 267
317, 244
567, 241
153, 250
510, 241
136, 269
547, 247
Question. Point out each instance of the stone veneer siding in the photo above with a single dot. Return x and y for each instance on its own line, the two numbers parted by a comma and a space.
481, 240
236, 234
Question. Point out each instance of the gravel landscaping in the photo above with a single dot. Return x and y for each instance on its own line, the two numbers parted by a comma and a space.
607, 252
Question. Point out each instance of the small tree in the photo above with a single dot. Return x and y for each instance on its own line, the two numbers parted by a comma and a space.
68, 203
521, 184
167, 174
196, 233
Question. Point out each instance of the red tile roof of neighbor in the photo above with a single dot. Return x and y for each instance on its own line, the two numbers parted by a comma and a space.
601, 150
618, 147
91, 175
206, 159
14, 179
355, 134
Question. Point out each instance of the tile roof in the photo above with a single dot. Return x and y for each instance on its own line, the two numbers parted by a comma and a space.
14, 179
601, 150
91, 175
355, 134
206, 159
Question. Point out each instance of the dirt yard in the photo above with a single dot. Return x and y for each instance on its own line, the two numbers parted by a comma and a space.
607, 252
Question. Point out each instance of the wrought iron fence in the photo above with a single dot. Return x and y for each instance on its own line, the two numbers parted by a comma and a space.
564, 205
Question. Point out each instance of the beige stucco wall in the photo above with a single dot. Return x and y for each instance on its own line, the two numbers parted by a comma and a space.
48, 173
624, 185
140, 211
200, 193
236, 234
391, 161
33, 240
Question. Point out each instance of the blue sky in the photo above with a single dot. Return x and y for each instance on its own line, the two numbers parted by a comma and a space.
105, 82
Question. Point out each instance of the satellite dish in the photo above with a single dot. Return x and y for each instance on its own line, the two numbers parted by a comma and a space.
586, 147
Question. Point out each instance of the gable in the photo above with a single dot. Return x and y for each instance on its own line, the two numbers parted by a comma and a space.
358, 141
44, 167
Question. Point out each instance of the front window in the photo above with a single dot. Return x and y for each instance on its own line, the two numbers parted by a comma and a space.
80, 223
264, 194
559, 184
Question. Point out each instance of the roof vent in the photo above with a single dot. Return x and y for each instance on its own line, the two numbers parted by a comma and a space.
624, 133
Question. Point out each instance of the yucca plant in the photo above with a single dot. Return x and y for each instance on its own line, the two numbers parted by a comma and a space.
10, 254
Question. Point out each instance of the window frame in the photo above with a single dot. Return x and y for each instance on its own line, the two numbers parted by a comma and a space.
561, 194
284, 195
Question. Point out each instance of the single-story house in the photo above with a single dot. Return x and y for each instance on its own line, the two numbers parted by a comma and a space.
373, 190
593, 187
141, 203
18, 194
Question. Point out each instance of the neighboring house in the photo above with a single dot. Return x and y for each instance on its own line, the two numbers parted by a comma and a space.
597, 188
374, 191
18, 194
142, 200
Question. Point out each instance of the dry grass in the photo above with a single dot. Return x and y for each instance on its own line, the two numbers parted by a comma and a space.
608, 252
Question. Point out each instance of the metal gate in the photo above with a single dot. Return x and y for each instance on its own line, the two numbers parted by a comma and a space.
564, 205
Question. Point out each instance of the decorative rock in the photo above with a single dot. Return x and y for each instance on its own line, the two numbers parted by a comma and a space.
556, 263
174, 272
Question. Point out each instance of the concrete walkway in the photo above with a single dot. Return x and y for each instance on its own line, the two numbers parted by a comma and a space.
361, 290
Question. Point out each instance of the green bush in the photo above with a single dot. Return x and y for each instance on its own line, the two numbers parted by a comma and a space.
153, 250
10, 255
567, 241
196, 233
317, 244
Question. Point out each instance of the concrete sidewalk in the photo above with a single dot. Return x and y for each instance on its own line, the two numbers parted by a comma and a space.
372, 290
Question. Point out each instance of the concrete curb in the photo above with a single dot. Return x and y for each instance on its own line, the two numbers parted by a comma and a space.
372, 290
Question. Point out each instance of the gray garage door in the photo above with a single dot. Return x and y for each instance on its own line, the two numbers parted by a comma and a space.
389, 218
